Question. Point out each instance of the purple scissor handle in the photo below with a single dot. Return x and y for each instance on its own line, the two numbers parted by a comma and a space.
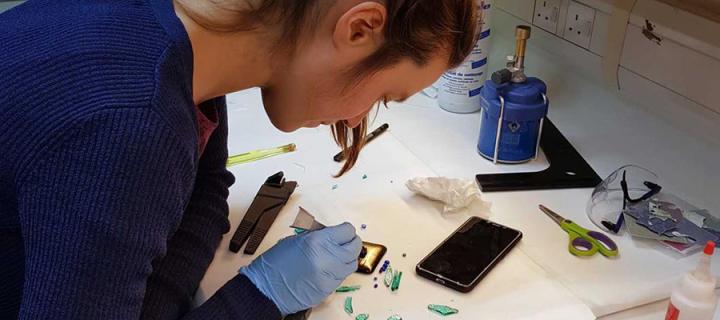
584, 242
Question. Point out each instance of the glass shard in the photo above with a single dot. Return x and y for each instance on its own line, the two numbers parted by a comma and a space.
442, 310
348, 305
305, 220
388, 277
347, 289
363, 316
396, 281
395, 317
385, 265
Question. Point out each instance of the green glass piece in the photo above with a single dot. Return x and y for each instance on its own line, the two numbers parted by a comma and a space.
388, 277
395, 317
396, 281
299, 231
348, 305
259, 154
442, 310
347, 289
363, 316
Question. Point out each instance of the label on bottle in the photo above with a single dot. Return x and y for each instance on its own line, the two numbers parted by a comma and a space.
672, 313
459, 89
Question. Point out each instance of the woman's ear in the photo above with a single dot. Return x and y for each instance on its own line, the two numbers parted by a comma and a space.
360, 31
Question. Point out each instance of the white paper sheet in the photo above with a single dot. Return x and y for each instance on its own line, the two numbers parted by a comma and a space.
643, 273
515, 289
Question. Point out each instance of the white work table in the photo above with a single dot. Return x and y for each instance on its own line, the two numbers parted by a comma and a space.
539, 279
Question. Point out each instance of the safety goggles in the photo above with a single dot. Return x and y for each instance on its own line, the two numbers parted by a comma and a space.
626, 185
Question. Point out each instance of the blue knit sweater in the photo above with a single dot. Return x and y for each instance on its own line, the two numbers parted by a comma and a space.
107, 211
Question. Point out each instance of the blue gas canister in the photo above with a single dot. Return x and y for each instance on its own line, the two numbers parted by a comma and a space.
512, 119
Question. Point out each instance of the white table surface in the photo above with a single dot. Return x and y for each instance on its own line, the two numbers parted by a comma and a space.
539, 279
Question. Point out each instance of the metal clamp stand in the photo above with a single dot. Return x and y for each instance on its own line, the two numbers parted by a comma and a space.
542, 122
501, 120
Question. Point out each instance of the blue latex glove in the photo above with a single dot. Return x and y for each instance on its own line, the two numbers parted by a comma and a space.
300, 271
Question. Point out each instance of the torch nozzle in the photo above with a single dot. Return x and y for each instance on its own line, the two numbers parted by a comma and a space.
522, 34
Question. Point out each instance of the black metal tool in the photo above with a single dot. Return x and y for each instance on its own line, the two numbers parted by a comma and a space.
340, 157
261, 214
568, 169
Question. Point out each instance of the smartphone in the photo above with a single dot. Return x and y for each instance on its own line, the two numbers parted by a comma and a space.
468, 255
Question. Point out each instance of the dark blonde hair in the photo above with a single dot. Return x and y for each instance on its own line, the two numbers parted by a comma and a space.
415, 29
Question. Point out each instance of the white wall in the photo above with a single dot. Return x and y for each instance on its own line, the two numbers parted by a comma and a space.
682, 72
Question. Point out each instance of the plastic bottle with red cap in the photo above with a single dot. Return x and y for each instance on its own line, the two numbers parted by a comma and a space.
694, 298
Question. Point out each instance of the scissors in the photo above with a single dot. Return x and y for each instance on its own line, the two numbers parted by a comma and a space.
583, 242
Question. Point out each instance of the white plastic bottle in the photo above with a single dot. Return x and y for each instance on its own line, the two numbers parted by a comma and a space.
694, 298
459, 88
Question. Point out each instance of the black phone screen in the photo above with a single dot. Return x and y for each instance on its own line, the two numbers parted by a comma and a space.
470, 251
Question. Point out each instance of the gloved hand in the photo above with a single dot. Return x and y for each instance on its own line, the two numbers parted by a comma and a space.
300, 271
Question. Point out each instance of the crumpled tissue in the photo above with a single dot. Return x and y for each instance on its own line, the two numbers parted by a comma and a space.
456, 194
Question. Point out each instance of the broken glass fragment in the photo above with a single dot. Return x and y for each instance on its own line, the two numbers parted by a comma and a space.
396, 281
347, 289
395, 317
363, 316
695, 218
385, 265
348, 305
442, 310
388, 277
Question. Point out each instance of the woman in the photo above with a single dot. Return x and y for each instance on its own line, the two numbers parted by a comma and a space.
113, 134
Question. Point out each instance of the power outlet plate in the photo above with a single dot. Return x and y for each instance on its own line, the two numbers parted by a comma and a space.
547, 14
579, 24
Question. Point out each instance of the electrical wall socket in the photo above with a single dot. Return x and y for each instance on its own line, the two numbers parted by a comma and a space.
579, 24
547, 13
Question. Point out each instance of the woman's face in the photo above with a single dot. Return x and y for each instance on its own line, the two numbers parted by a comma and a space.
311, 91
